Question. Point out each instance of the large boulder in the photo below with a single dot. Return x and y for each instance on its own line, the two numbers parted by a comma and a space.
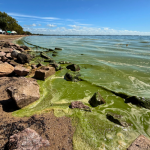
139, 101
22, 58
27, 139
73, 67
141, 143
14, 53
43, 72
24, 91
96, 100
117, 119
6, 69
73, 76
79, 105
21, 71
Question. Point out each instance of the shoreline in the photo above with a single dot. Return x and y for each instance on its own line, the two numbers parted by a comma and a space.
58, 131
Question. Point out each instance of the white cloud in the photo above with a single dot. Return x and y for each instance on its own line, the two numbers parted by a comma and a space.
30, 16
51, 25
74, 26
31, 25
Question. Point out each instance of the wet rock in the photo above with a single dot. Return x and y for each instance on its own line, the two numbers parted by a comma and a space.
22, 58
49, 60
56, 66
25, 47
141, 143
44, 55
44, 72
139, 101
56, 48
96, 100
54, 52
80, 105
73, 76
54, 55
73, 67
21, 71
50, 49
2, 54
27, 139
24, 92
6, 69
117, 119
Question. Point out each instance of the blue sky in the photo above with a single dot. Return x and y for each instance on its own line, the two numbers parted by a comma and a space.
121, 17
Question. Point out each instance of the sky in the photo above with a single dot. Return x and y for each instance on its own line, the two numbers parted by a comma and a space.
81, 17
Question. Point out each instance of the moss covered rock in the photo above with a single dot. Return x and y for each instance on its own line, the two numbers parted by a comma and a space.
96, 100
73, 76
73, 67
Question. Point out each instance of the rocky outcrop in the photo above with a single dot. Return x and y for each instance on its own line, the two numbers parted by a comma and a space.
6, 69
96, 100
79, 105
73, 76
117, 119
27, 139
21, 71
24, 91
73, 67
44, 72
139, 101
141, 143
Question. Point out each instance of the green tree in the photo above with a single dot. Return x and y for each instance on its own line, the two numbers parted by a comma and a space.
8, 23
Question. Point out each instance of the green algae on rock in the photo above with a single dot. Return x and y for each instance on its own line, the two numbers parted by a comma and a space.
96, 100
73, 76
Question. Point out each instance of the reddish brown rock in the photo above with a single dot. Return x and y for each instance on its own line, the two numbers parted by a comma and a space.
14, 63
27, 139
21, 71
44, 72
141, 143
80, 105
4, 59
6, 69
6, 50
24, 91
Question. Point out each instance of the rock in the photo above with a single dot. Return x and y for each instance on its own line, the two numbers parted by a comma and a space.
44, 55
50, 49
14, 53
96, 100
73, 76
49, 60
44, 72
21, 71
6, 69
27, 139
139, 101
73, 67
6, 50
24, 92
20, 49
56, 48
6, 44
39, 65
4, 59
118, 119
8, 55
141, 143
22, 58
56, 66
25, 47
80, 105
33, 66
2, 54
14, 63
54, 52
54, 55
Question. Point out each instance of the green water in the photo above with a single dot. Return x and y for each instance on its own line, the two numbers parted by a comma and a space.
107, 65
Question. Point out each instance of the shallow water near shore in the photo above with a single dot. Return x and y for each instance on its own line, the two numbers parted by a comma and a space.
108, 63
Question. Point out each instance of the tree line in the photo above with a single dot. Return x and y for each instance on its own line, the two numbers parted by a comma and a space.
7, 23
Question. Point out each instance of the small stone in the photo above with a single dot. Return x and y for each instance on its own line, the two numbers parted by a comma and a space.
56, 48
